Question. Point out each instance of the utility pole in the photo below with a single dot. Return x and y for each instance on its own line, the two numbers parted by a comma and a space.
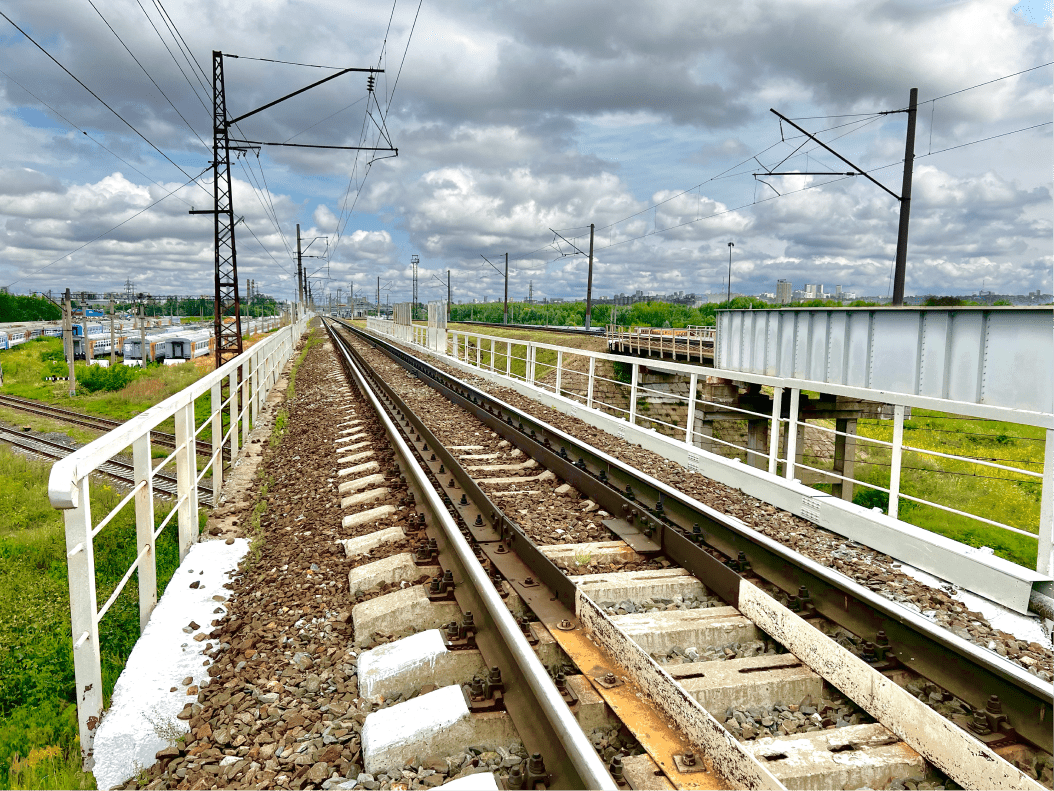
904, 198
589, 279
67, 340
113, 351
905, 202
506, 318
530, 292
299, 267
378, 296
448, 295
142, 332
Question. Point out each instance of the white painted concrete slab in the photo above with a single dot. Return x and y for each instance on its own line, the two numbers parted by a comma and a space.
419, 723
364, 497
360, 483
163, 656
372, 515
362, 454
392, 569
359, 469
353, 547
412, 662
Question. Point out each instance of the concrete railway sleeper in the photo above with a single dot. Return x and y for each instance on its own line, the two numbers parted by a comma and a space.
754, 615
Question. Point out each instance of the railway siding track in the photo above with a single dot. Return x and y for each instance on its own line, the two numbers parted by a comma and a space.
114, 468
597, 476
95, 422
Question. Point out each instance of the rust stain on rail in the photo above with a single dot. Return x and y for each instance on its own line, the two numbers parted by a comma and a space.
636, 709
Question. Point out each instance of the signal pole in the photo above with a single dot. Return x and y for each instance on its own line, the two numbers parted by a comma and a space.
414, 260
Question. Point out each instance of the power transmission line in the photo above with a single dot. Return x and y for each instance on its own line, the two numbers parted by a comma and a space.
149, 76
99, 98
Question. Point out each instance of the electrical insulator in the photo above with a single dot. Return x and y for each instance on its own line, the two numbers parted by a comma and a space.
369, 83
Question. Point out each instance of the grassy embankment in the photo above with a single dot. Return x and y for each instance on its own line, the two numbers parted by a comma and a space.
995, 494
39, 746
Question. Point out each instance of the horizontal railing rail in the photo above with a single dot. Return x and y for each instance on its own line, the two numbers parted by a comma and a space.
247, 378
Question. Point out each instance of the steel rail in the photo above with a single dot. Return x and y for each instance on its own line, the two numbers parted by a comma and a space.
681, 526
114, 468
534, 704
82, 419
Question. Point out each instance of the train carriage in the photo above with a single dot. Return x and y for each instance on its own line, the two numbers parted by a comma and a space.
180, 347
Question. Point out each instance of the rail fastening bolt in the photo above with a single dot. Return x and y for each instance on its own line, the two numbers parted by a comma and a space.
609, 678
689, 759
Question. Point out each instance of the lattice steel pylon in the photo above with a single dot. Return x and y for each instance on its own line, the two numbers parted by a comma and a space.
228, 334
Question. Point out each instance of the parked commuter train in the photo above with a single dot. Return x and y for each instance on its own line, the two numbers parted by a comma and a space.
13, 337
154, 348
179, 347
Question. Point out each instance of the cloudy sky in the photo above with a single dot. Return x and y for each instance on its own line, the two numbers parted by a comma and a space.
511, 119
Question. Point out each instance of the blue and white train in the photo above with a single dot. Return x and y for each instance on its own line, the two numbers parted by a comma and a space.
179, 347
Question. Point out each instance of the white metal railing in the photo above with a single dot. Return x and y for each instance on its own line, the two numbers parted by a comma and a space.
249, 377
470, 348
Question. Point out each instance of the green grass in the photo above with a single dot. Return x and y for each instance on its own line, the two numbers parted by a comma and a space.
999, 495
39, 746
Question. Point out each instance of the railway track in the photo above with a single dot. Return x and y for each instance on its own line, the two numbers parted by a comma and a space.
699, 578
122, 471
94, 422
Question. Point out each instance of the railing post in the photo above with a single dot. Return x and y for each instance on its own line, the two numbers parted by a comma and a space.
144, 528
186, 473
246, 395
559, 370
774, 429
592, 379
508, 358
894, 462
690, 428
254, 365
792, 433
633, 395
530, 363
1046, 507
479, 351
215, 409
492, 344
232, 405
87, 667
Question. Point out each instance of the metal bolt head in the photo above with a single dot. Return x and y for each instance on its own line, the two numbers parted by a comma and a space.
610, 678
689, 759
994, 705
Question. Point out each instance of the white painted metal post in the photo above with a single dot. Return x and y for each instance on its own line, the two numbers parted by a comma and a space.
592, 378
508, 358
633, 394
479, 351
232, 389
894, 462
559, 370
492, 343
690, 425
215, 400
87, 668
144, 528
774, 429
244, 401
254, 366
1046, 508
792, 434
530, 363
186, 473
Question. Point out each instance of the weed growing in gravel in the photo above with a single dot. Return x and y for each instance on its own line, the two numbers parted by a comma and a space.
165, 728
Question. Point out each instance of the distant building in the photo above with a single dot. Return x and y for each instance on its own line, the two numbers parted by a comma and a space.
784, 292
